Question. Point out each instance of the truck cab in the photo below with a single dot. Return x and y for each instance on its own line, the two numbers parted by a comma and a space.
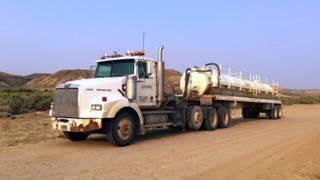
139, 69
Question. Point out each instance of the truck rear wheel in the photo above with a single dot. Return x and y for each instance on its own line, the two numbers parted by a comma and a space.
223, 117
75, 136
211, 122
121, 130
194, 117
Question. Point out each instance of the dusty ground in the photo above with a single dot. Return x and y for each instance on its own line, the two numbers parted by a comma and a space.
249, 149
25, 129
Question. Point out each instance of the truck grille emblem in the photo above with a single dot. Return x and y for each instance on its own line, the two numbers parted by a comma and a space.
67, 85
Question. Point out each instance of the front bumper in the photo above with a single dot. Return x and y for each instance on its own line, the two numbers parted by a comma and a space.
76, 125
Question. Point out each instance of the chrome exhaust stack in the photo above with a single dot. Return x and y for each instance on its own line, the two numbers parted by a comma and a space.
160, 68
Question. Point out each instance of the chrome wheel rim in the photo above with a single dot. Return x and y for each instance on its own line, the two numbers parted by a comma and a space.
197, 118
226, 119
124, 129
280, 113
214, 120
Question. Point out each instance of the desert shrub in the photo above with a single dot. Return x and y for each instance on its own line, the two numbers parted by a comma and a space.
301, 100
18, 101
16, 104
40, 102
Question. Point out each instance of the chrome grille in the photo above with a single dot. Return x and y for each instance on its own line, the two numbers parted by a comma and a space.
66, 103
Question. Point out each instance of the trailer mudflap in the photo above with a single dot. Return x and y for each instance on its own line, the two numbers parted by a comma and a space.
76, 125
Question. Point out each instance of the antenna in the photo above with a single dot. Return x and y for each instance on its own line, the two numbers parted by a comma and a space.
143, 38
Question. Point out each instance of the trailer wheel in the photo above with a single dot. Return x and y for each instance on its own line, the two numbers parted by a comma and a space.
75, 136
244, 112
279, 114
121, 130
223, 117
273, 113
211, 122
250, 113
194, 117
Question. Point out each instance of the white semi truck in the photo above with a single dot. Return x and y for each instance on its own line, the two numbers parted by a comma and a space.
126, 98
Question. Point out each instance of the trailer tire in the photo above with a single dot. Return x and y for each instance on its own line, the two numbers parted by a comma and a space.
254, 114
279, 114
273, 113
121, 131
194, 117
211, 122
250, 113
223, 117
244, 112
75, 136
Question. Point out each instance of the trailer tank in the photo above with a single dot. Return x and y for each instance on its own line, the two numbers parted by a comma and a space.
200, 80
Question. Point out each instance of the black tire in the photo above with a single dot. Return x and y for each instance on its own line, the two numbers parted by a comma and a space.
254, 115
223, 117
121, 131
250, 113
244, 113
272, 114
194, 117
75, 136
279, 114
211, 122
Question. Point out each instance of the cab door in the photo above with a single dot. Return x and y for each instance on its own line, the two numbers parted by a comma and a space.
146, 84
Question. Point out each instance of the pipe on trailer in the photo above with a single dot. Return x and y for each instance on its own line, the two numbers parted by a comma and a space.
218, 69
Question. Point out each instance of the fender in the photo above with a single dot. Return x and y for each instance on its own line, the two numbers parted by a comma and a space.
118, 105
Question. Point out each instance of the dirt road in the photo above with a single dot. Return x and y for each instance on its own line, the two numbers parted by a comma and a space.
249, 149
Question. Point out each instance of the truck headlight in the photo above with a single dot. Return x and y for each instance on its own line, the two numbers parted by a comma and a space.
96, 107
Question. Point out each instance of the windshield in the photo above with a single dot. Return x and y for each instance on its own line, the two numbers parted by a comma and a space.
115, 68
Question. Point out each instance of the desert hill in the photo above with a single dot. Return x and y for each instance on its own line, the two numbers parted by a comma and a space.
10, 80
294, 92
51, 81
36, 75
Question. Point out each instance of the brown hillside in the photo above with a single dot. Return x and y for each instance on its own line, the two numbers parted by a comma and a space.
300, 91
172, 81
10, 80
36, 75
51, 81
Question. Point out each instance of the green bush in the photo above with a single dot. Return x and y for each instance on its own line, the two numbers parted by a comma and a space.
16, 101
16, 104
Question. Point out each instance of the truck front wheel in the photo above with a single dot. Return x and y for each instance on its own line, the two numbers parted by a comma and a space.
121, 130
75, 136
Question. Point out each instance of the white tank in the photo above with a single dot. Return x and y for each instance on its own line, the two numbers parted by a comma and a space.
201, 79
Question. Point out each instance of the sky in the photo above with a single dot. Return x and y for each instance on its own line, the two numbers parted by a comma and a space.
278, 39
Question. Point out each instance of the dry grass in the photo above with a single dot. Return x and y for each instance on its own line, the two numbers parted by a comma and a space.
26, 129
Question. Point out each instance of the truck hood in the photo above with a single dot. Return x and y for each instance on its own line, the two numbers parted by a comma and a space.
104, 84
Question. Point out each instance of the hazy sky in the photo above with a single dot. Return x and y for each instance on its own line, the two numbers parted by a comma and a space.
280, 39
